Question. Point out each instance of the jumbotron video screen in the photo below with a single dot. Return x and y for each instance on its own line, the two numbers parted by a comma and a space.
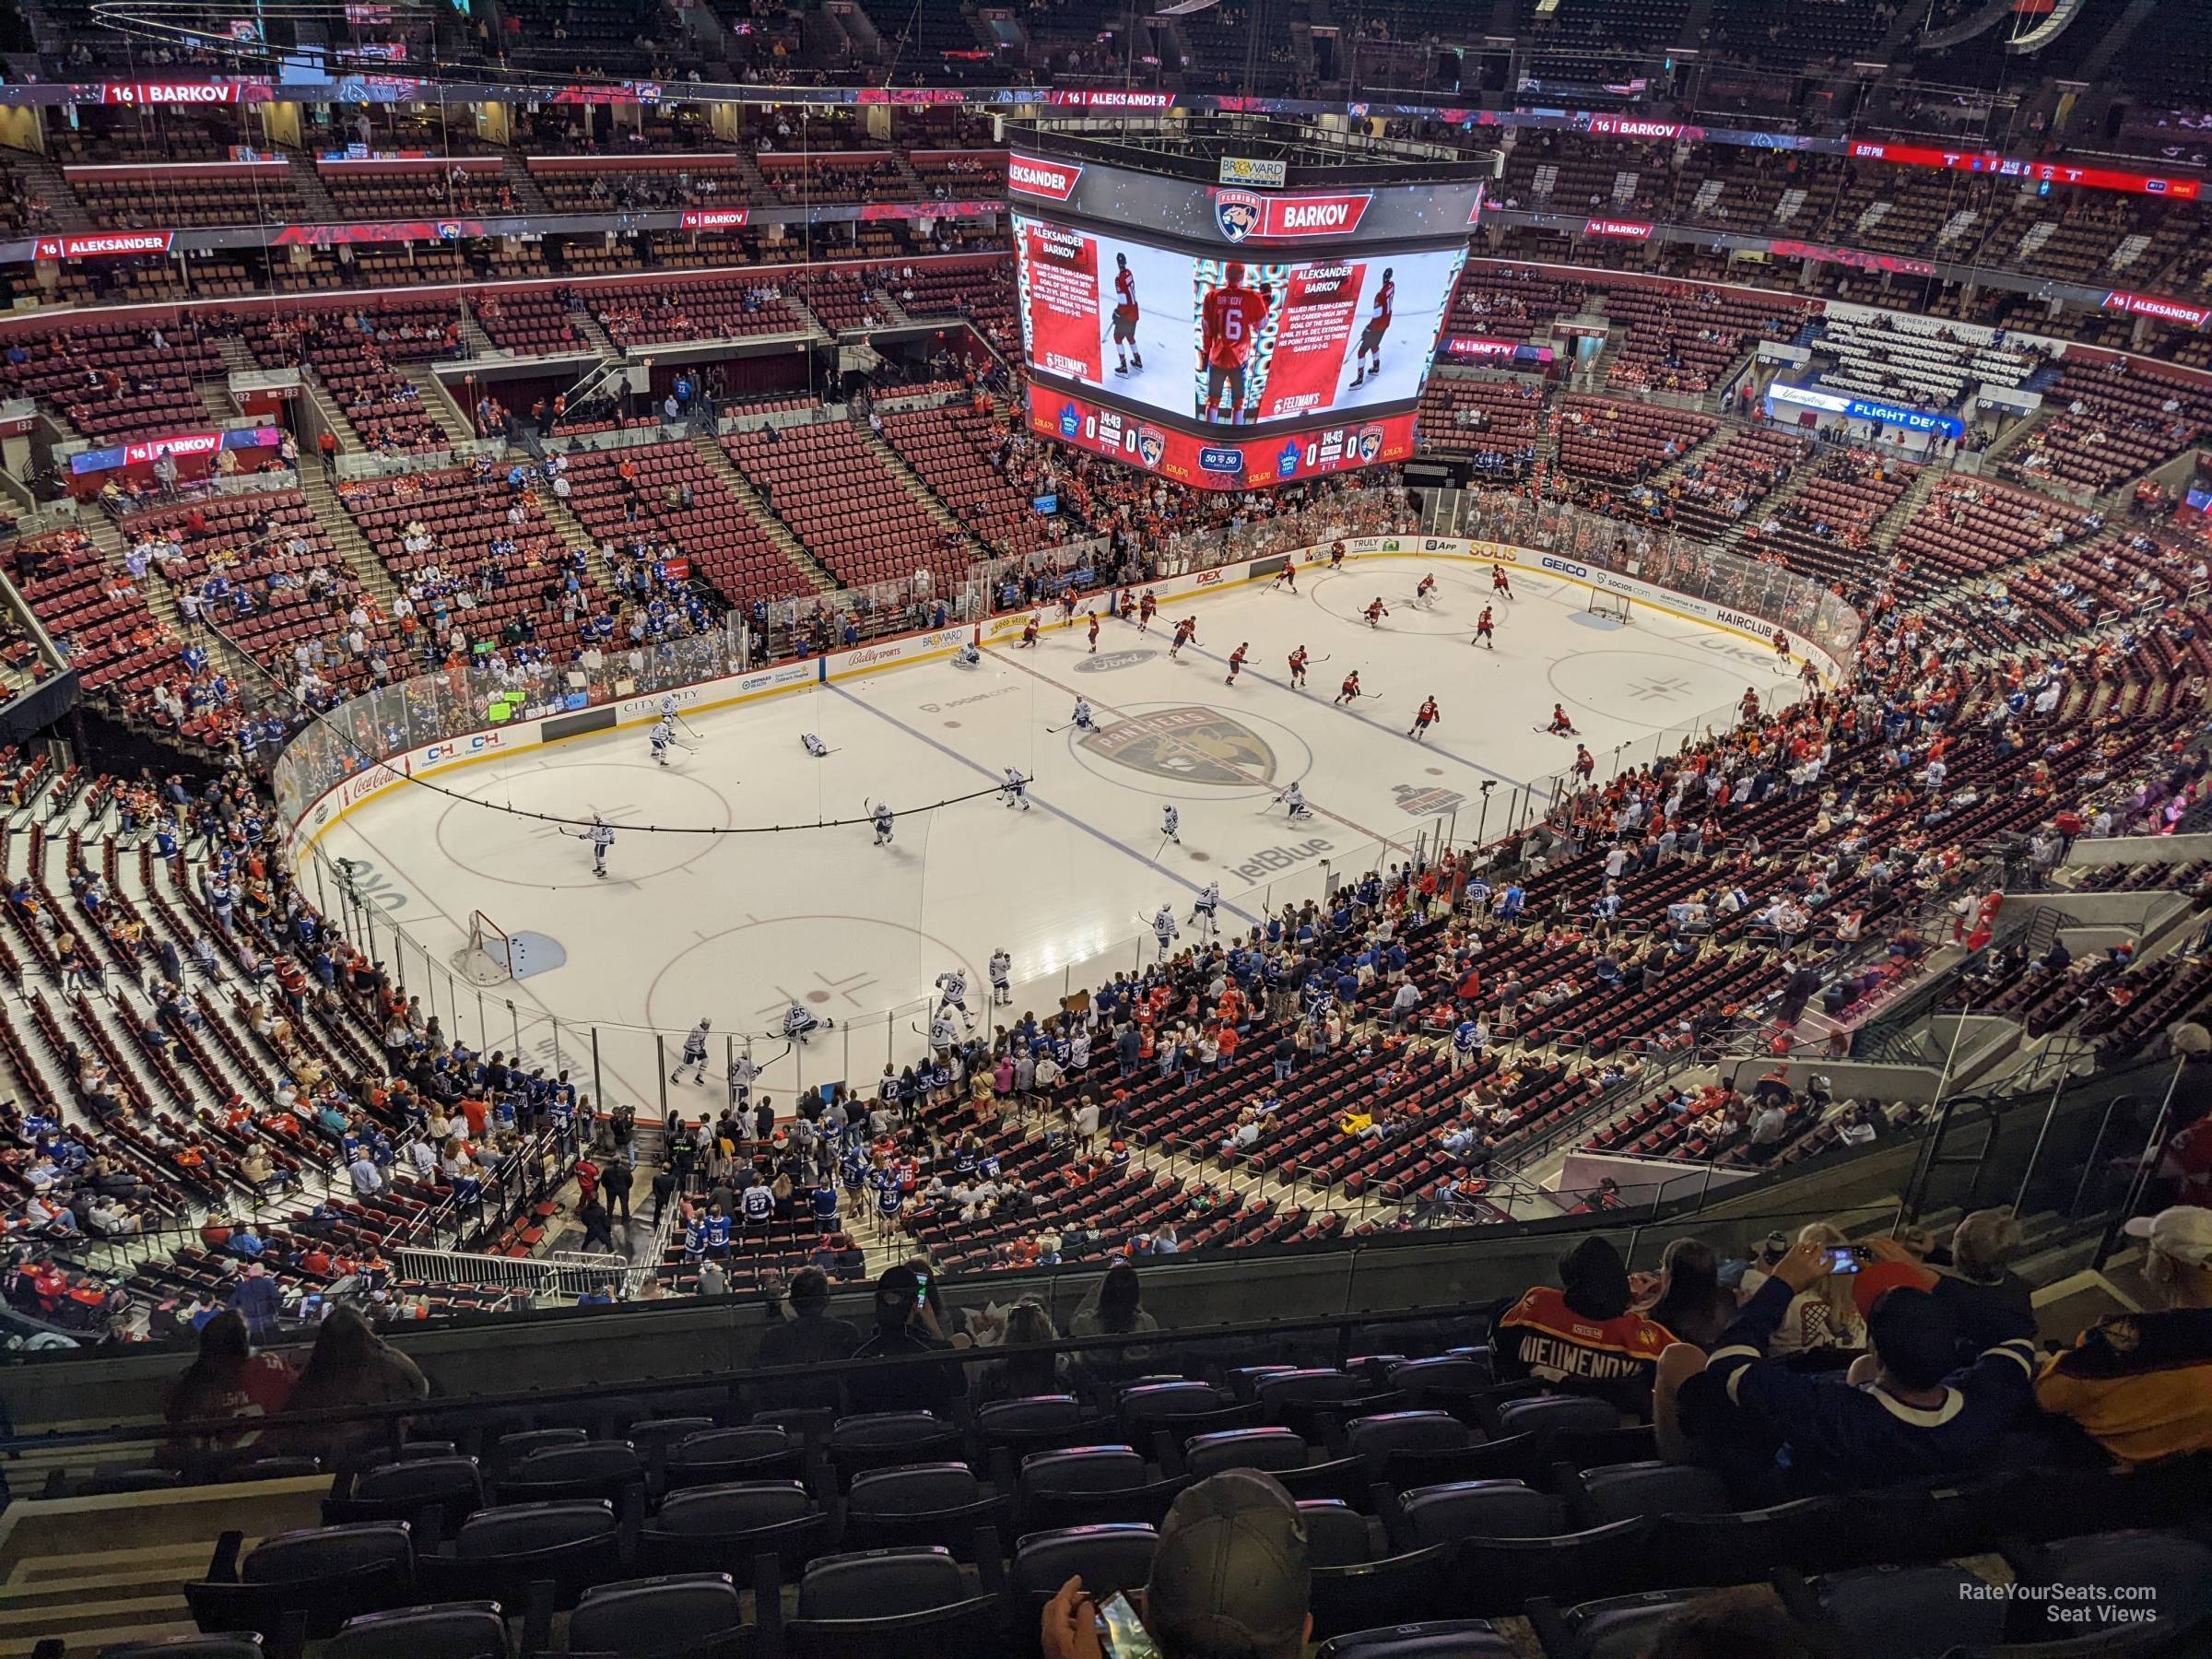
1262, 337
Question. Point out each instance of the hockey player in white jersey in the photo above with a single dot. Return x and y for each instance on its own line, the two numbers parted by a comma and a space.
664, 733
1002, 980
1016, 789
743, 1074
967, 656
1203, 912
944, 1036
952, 993
1295, 799
694, 1055
1170, 825
1164, 928
1081, 721
602, 836
667, 705
881, 815
813, 744
798, 1024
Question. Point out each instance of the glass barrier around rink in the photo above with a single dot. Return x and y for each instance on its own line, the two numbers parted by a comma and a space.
633, 1064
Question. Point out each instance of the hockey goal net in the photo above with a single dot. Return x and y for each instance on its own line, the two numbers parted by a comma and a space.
1615, 605
489, 958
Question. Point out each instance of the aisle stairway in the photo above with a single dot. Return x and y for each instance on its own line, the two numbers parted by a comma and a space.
737, 484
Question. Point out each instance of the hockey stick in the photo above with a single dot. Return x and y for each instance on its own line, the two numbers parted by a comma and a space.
687, 725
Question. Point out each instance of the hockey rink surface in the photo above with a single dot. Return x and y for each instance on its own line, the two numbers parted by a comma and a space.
733, 928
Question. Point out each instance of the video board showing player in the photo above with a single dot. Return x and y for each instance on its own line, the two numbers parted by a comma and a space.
1224, 341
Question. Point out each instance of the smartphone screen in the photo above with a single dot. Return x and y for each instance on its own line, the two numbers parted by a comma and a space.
1844, 1258
1121, 1632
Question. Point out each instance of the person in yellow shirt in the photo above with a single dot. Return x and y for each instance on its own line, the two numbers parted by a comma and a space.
2140, 1384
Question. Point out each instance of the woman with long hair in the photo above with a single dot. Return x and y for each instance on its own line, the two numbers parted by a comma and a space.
1691, 1303
228, 1380
1826, 1316
351, 1365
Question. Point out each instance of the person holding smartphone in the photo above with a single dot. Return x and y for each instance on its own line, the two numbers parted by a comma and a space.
906, 1327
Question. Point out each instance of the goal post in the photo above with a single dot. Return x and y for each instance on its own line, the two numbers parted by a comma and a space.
1615, 605
489, 958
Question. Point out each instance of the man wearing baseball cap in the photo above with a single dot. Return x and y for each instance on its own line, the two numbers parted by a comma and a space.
1229, 1579
2140, 1384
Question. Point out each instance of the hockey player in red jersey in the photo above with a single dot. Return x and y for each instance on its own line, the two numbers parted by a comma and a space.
1378, 324
1125, 353
1228, 324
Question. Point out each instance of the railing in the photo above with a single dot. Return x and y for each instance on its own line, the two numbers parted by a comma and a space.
561, 1272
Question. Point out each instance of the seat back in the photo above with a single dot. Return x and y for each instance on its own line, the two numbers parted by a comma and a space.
2175, 1571
1624, 1491
453, 1630
1497, 1578
511, 1449
753, 1451
1109, 1557
881, 1584
1554, 1412
330, 1573
1901, 1612
1082, 1469
692, 1613
399, 1491
1375, 1438
1479, 1509
1620, 1627
1337, 1533
1269, 1449
1366, 1594
1445, 1639
914, 1489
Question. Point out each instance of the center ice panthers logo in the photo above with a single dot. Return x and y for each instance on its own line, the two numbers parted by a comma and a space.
1152, 445
1238, 212
1190, 744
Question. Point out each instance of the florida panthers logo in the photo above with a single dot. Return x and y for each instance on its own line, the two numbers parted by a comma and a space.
1152, 445
1190, 745
1238, 212
1370, 442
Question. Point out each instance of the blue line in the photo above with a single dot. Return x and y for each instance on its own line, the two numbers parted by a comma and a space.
1090, 829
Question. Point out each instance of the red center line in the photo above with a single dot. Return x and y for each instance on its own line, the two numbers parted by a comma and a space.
1388, 840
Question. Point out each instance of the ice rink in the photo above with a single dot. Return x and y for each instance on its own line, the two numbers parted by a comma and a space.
732, 927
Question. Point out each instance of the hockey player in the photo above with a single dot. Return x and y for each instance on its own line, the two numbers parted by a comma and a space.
1016, 789
602, 836
743, 1074
1749, 706
1483, 628
1376, 611
943, 1038
1125, 354
1236, 662
1424, 592
968, 657
1230, 320
664, 732
799, 1023
952, 993
1560, 726
1298, 669
1349, 691
1585, 763
813, 744
1147, 606
1378, 324
1337, 554
1001, 975
1094, 633
1499, 584
1185, 631
1164, 928
1203, 912
1423, 720
1782, 647
1081, 718
1286, 577
694, 1055
1295, 799
881, 815
1029, 633
1170, 824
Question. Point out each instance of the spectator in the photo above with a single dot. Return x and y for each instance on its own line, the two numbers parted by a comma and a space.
1019, 1375
1905, 1411
1691, 1304
1825, 1315
1583, 1335
1229, 1577
598, 1226
806, 1335
2140, 1384
351, 1365
1113, 1309
906, 1327
257, 1299
227, 1381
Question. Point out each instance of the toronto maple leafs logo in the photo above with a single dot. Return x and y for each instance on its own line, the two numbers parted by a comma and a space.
1238, 212
1152, 445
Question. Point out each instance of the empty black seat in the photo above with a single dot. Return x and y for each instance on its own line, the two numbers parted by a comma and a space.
1268, 1449
1337, 1533
500, 1553
1366, 1594
687, 1616
1445, 1639
401, 1491
450, 1630
1620, 1627
710, 1528
716, 1456
330, 1573
1496, 1578
1479, 1509
1624, 1491
1900, 1612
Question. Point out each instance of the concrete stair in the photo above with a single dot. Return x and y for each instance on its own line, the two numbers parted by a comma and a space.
440, 403
573, 531
529, 198
326, 406
346, 536
308, 183
215, 398
738, 485
41, 177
